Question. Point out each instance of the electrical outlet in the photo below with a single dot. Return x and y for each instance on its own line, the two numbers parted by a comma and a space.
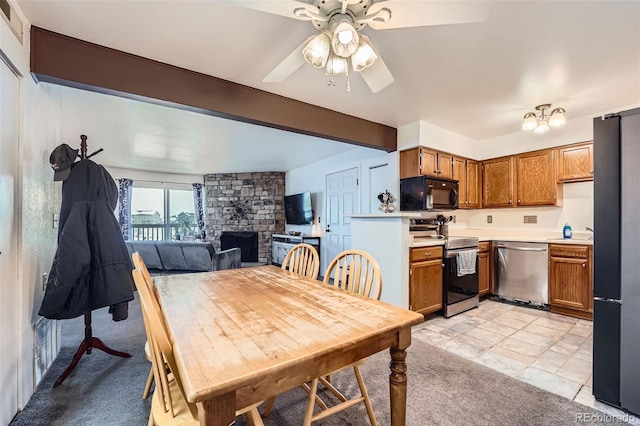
531, 219
454, 219
489, 218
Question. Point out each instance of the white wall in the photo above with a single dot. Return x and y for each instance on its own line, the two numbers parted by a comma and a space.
40, 196
421, 133
312, 178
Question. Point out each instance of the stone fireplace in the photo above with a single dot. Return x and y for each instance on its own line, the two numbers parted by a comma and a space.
245, 202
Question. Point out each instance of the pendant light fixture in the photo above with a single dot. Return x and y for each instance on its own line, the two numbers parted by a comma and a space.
541, 122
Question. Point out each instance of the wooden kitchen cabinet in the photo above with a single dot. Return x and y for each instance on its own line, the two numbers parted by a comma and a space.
571, 280
466, 172
425, 279
536, 179
425, 162
575, 162
498, 179
484, 268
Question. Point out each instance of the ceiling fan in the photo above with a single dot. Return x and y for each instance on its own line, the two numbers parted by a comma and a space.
340, 45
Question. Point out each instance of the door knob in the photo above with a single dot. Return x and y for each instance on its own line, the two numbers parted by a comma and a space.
328, 228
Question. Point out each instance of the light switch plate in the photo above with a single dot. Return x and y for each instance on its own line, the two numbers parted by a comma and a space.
531, 219
489, 218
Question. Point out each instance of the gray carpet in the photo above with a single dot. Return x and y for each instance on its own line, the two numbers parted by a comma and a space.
444, 389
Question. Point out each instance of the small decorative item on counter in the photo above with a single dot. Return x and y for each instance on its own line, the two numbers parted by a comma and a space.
386, 201
316, 231
566, 231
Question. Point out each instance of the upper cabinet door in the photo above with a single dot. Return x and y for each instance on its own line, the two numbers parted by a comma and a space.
445, 165
473, 184
409, 163
498, 182
537, 184
428, 162
460, 174
575, 163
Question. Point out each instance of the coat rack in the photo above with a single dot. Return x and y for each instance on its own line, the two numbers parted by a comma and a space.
89, 341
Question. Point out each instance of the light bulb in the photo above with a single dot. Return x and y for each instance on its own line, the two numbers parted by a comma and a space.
317, 50
345, 36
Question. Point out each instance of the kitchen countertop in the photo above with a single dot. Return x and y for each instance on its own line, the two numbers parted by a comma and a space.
509, 235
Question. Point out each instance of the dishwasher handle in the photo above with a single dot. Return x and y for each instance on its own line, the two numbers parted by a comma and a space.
521, 248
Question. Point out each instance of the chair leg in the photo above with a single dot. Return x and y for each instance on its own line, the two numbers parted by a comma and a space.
311, 402
253, 417
147, 387
151, 421
365, 394
267, 409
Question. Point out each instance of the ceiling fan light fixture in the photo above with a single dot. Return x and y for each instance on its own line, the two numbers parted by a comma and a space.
317, 51
541, 122
364, 56
557, 118
345, 39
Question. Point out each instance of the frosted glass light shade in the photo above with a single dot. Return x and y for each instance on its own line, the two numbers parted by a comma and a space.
345, 39
542, 127
363, 57
530, 122
337, 65
557, 118
317, 51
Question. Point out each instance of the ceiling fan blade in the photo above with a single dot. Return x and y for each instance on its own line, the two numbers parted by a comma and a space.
288, 65
377, 76
418, 13
277, 7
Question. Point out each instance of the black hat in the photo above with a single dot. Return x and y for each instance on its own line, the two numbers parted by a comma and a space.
61, 160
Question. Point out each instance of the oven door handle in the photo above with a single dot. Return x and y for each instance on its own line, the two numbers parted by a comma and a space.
521, 248
453, 252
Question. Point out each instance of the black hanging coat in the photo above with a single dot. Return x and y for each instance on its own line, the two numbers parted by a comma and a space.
91, 268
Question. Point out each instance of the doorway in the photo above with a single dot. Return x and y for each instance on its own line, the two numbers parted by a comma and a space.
342, 199
9, 101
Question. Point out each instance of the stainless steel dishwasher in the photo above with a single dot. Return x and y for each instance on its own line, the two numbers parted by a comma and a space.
521, 272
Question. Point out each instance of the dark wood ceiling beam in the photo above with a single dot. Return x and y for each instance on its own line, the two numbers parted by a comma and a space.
68, 61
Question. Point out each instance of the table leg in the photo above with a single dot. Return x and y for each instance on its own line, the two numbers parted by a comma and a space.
218, 411
398, 386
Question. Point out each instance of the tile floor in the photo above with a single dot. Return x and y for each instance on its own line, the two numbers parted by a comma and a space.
547, 350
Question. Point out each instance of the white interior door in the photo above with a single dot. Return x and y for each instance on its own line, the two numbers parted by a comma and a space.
9, 85
342, 199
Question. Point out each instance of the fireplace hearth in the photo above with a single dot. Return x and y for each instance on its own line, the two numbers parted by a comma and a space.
246, 240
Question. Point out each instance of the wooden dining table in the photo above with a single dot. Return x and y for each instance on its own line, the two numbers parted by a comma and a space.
243, 335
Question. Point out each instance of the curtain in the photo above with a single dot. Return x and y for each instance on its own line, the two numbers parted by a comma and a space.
125, 188
197, 208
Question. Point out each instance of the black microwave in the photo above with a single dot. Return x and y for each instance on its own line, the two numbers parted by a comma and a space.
425, 193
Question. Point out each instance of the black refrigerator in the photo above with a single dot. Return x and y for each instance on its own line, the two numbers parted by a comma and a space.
616, 286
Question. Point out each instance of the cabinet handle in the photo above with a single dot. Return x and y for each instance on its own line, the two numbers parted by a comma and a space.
591, 171
427, 254
518, 201
510, 202
584, 265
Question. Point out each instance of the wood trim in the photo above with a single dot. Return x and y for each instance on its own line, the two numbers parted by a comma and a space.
60, 59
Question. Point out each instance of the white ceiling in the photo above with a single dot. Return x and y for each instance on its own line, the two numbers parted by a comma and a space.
477, 80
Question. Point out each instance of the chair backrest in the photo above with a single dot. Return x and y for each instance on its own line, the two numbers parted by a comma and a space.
160, 344
355, 271
138, 263
303, 260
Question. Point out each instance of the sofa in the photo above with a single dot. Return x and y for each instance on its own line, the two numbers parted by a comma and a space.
176, 257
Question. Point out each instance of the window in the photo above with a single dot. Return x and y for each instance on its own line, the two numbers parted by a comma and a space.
163, 214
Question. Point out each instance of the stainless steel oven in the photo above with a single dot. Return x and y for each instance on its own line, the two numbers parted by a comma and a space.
460, 275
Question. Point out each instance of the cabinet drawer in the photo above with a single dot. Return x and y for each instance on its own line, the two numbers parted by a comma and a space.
566, 250
425, 253
484, 247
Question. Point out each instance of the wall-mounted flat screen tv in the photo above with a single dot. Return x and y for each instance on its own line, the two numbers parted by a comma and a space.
297, 209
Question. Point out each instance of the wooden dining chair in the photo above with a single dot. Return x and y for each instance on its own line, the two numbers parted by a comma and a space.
169, 405
357, 272
138, 263
303, 260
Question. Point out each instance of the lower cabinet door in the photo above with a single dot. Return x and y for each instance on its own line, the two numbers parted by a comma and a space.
425, 286
569, 283
484, 271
